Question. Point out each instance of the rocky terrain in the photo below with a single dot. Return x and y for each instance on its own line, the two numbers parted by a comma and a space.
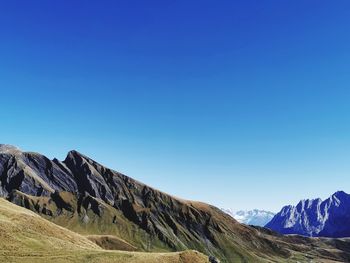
90, 199
328, 218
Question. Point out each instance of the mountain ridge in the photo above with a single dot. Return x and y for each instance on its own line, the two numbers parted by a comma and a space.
314, 217
91, 199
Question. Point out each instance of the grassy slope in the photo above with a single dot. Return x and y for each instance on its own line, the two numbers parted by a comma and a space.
100, 225
134, 235
110, 242
27, 237
98, 228
245, 248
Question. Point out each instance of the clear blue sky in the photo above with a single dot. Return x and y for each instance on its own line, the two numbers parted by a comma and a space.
242, 104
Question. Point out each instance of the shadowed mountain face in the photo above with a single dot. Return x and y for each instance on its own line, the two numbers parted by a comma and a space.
86, 197
328, 218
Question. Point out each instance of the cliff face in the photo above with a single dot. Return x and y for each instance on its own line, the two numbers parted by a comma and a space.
328, 218
84, 196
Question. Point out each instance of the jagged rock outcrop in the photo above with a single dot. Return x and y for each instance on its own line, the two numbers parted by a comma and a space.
328, 218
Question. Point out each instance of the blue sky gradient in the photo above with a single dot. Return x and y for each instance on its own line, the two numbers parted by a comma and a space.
241, 104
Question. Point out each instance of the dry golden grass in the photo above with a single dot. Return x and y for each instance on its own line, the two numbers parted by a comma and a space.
27, 238
113, 257
110, 242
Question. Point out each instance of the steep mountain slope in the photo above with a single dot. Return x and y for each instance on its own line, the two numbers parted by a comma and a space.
251, 217
86, 197
27, 237
328, 218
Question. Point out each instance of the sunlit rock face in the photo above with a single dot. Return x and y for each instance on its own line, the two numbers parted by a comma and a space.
9, 149
328, 218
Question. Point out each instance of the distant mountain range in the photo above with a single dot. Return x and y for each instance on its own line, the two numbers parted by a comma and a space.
118, 212
315, 218
251, 217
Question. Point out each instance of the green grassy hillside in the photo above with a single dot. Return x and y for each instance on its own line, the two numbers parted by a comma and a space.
27, 237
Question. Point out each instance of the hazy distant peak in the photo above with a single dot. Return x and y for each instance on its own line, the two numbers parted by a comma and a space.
254, 217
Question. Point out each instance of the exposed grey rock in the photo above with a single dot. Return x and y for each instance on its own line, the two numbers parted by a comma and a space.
90, 177
33, 174
9, 149
328, 218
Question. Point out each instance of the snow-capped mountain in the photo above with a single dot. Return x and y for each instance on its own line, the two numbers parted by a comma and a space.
328, 218
252, 217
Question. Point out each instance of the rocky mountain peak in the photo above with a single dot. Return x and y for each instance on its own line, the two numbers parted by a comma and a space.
314, 217
340, 195
73, 154
9, 149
